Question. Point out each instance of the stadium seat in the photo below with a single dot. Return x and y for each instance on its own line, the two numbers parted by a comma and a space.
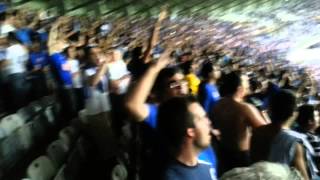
119, 172
83, 116
36, 106
24, 134
41, 168
11, 123
39, 127
49, 114
26, 113
3, 133
10, 151
47, 101
84, 148
68, 135
60, 175
57, 151
77, 159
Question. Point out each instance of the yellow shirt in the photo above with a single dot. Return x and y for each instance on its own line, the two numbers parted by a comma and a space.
193, 83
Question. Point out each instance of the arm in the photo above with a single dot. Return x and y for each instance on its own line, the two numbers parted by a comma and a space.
136, 98
253, 116
154, 37
34, 22
97, 77
300, 162
52, 39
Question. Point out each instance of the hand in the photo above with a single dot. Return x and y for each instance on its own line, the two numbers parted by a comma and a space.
105, 59
164, 59
163, 13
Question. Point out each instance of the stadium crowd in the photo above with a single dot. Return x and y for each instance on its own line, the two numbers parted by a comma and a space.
185, 100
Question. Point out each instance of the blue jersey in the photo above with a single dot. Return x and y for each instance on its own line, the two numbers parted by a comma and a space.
179, 171
61, 69
24, 36
209, 96
38, 60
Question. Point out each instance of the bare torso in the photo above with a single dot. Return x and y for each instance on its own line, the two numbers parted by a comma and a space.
230, 117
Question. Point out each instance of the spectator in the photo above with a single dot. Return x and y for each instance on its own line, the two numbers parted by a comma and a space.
234, 118
263, 170
189, 69
38, 65
76, 77
61, 70
308, 120
97, 104
15, 72
185, 129
119, 82
208, 92
276, 142
8, 23
169, 83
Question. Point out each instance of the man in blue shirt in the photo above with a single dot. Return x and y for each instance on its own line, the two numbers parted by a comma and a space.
38, 65
62, 72
184, 129
169, 83
208, 92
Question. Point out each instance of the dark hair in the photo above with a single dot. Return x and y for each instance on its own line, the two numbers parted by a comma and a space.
87, 53
229, 83
186, 67
12, 38
206, 70
136, 53
162, 80
305, 114
282, 105
35, 37
174, 118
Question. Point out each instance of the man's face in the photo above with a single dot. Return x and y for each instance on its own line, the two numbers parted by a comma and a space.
202, 127
95, 56
177, 86
216, 72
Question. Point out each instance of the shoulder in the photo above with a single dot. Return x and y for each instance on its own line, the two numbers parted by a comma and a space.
247, 107
171, 174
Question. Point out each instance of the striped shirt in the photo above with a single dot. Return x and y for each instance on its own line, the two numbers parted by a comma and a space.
314, 140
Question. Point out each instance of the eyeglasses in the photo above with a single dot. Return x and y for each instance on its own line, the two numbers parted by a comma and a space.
177, 84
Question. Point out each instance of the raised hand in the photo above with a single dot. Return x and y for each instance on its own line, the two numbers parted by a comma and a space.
163, 13
164, 59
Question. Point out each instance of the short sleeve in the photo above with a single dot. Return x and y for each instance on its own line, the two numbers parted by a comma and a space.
9, 54
151, 119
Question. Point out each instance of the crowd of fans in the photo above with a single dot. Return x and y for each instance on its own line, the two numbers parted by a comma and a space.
202, 106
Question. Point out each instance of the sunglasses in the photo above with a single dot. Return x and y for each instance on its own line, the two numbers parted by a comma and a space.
177, 84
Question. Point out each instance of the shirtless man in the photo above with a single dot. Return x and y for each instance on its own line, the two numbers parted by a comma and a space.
235, 118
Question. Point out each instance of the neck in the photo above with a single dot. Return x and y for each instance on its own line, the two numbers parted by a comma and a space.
237, 98
212, 81
188, 155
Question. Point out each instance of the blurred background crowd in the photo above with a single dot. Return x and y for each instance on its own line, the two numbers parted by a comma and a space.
155, 97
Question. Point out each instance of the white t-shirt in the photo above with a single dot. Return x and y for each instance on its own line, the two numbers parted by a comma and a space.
17, 57
75, 68
117, 70
97, 101
6, 28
